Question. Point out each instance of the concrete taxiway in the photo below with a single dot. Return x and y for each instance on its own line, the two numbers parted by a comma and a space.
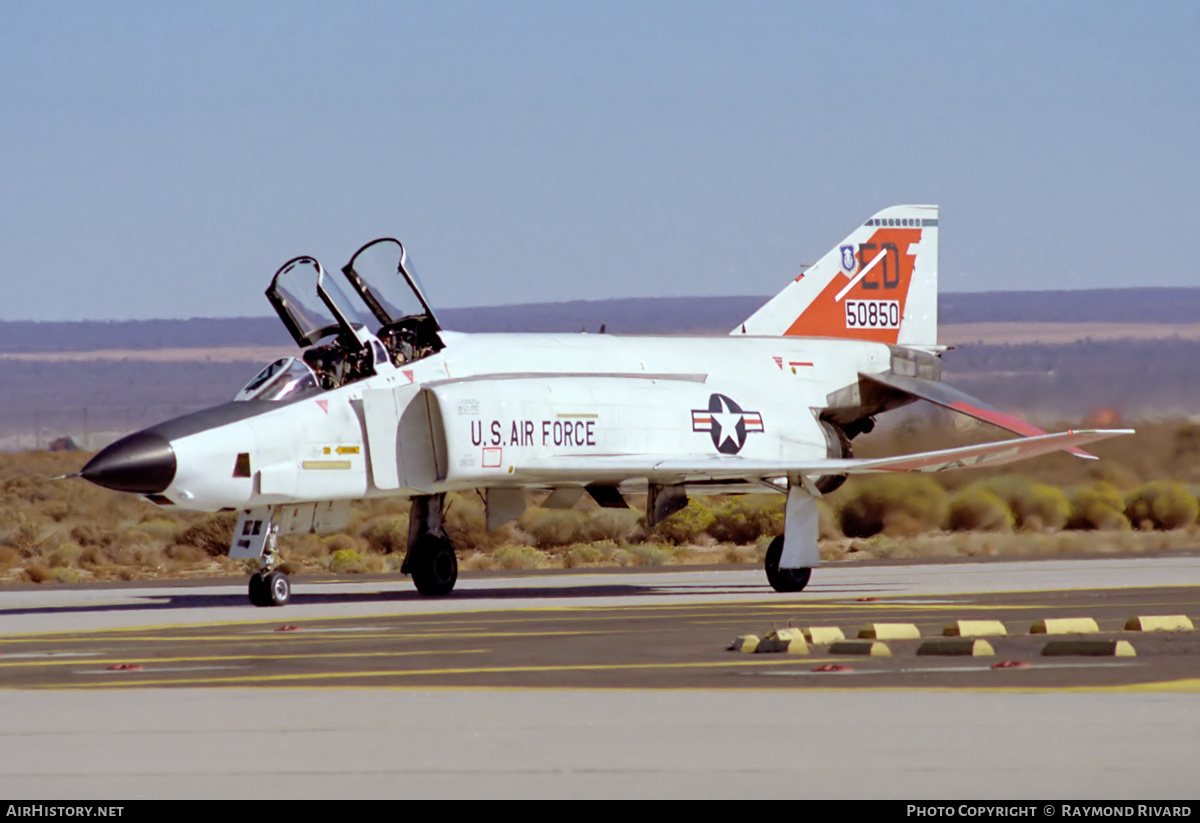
610, 683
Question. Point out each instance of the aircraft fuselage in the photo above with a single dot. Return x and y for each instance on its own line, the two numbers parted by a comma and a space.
507, 403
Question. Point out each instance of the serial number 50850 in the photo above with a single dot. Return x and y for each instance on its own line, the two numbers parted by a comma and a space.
872, 314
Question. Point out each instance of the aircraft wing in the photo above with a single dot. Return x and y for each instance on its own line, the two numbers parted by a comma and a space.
951, 398
614, 468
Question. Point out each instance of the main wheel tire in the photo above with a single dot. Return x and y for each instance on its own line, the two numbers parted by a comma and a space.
258, 591
784, 580
434, 566
278, 589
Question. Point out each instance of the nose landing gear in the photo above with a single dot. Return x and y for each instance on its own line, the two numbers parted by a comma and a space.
272, 589
269, 586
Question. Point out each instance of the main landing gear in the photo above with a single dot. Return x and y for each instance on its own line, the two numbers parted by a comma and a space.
431, 559
784, 580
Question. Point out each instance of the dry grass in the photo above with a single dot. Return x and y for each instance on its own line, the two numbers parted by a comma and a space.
1140, 496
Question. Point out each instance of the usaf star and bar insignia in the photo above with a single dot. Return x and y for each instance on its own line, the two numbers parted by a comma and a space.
727, 423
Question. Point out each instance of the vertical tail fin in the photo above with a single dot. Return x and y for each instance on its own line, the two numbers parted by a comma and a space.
879, 284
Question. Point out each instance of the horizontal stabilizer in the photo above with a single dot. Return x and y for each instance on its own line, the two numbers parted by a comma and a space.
661, 469
951, 398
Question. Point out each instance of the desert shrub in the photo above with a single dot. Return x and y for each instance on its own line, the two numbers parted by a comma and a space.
8, 557
520, 557
686, 525
828, 526
622, 557
465, 522
341, 541
617, 525
555, 527
38, 573
345, 561
139, 551
87, 534
974, 508
96, 556
898, 504
160, 528
65, 554
1161, 505
213, 534
649, 554
1036, 506
588, 554
64, 574
744, 519
1099, 507
305, 546
56, 510
186, 553
386, 534
29, 489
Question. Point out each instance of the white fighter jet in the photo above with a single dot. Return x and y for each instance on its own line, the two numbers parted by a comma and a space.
383, 402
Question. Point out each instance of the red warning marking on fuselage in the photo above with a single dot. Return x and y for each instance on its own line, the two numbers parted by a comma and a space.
491, 457
778, 362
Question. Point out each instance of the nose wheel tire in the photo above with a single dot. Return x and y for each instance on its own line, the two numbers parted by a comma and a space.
272, 590
784, 580
434, 566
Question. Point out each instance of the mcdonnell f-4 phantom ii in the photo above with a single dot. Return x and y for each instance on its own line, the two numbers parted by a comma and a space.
383, 402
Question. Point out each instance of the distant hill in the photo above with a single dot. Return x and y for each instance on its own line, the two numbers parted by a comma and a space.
665, 315
1139, 305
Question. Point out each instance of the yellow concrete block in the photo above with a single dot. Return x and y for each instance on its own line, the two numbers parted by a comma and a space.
974, 628
889, 631
956, 647
1065, 625
1089, 648
823, 634
1159, 623
874, 649
746, 644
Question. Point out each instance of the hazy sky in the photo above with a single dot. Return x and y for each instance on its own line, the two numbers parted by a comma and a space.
163, 159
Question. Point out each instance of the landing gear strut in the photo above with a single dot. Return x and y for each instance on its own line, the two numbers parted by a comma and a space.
430, 560
784, 580
269, 586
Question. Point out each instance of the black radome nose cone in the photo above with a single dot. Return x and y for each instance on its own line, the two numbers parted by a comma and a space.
143, 463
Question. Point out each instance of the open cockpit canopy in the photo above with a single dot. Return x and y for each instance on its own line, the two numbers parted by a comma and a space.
311, 305
381, 322
383, 276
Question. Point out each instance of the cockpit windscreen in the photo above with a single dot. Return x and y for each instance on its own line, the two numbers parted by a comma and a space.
286, 377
